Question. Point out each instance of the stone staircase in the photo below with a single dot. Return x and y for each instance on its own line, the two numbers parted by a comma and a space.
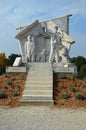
39, 84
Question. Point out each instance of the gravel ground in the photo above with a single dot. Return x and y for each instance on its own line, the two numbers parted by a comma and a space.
42, 118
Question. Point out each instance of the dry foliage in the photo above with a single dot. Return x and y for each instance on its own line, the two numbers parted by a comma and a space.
10, 83
70, 87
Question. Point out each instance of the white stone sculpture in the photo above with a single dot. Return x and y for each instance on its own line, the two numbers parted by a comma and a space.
30, 48
42, 57
63, 53
44, 35
55, 43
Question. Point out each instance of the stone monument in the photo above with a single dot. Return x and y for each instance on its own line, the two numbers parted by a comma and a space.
47, 41
44, 48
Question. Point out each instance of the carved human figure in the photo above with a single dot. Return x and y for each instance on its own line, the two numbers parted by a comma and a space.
42, 57
30, 48
55, 42
63, 49
64, 53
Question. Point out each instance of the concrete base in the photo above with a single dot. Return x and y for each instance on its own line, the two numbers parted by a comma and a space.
38, 103
16, 69
64, 68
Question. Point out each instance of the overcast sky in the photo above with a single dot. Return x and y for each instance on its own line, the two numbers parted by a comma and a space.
16, 13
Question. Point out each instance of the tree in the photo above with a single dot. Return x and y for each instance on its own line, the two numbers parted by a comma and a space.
3, 62
12, 58
83, 70
78, 61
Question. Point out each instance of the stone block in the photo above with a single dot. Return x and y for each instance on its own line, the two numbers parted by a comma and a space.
15, 69
17, 61
64, 69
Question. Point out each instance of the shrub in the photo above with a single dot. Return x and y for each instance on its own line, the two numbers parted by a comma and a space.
21, 76
2, 94
73, 85
5, 87
16, 93
84, 84
6, 76
73, 89
85, 81
9, 82
62, 86
19, 86
75, 75
65, 96
79, 96
61, 75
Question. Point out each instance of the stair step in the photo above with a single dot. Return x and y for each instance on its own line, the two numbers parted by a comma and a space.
37, 97
38, 102
38, 83
39, 74
37, 92
37, 88
39, 78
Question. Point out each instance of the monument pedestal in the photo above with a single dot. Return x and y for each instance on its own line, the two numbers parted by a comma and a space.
64, 68
16, 69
